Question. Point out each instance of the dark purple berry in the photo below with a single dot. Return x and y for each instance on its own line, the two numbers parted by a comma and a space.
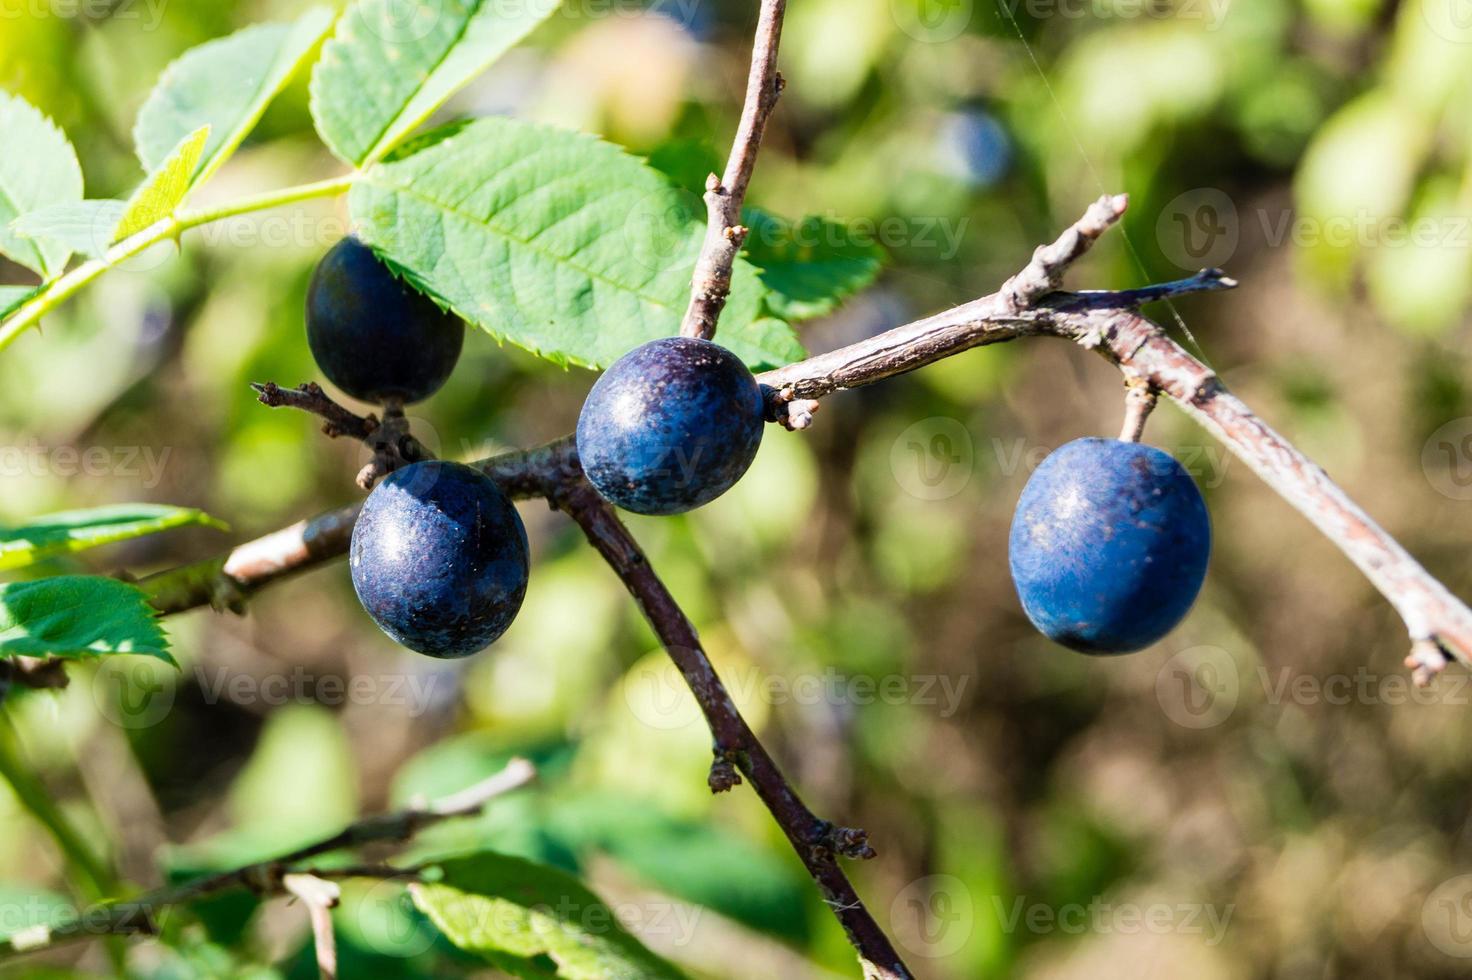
670, 426
373, 335
439, 558
1109, 545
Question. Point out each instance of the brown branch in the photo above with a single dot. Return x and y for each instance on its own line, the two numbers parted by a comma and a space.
724, 195
139, 915
1436, 620
817, 843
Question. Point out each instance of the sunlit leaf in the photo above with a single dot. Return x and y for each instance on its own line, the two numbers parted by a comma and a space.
389, 65
11, 297
85, 227
38, 168
164, 189
78, 616
811, 265
534, 921
225, 84
79, 530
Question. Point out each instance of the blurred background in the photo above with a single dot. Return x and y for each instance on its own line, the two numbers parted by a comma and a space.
1262, 794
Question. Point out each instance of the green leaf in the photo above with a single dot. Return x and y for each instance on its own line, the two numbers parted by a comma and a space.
389, 65
11, 298
79, 530
556, 241
78, 616
225, 84
84, 227
520, 915
38, 168
689, 859
164, 189
810, 266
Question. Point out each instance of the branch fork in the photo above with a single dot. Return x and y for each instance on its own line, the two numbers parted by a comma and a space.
392, 442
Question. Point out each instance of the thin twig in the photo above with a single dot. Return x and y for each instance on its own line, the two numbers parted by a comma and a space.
320, 897
139, 915
309, 397
1139, 402
817, 843
1044, 274
724, 195
1205, 281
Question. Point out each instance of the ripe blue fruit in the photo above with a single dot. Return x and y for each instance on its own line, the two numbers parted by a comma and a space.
670, 426
1109, 545
439, 558
374, 336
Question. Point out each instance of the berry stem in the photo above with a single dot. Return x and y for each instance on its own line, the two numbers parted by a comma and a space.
56, 292
1139, 402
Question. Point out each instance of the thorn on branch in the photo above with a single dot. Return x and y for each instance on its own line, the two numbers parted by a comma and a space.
1205, 281
337, 421
723, 773
320, 897
849, 842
